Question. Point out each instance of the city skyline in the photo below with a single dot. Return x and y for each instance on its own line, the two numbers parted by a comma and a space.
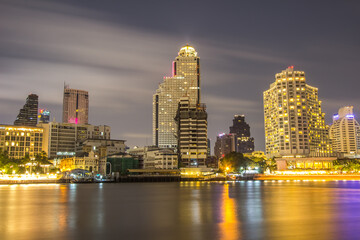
232, 83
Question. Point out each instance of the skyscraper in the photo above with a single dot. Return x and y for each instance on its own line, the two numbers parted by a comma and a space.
75, 106
28, 114
294, 123
225, 143
345, 132
184, 82
244, 143
191, 120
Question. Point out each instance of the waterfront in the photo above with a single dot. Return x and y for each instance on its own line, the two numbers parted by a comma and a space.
185, 210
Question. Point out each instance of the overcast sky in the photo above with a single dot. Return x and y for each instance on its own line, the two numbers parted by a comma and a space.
119, 51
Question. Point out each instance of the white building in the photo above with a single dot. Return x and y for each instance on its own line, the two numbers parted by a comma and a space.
165, 159
62, 139
185, 81
152, 157
345, 133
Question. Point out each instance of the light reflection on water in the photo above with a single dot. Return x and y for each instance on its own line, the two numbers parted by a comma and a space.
186, 210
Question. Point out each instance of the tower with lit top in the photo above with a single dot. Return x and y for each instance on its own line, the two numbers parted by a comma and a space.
294, 122
184, 82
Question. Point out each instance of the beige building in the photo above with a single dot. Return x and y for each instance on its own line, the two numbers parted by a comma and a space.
153, 157
294, 122
62, 139
185, 81
90, 162
191, 121
21, 140
345, 133
165, 159
75, 106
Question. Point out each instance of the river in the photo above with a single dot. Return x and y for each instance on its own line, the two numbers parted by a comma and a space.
185, 210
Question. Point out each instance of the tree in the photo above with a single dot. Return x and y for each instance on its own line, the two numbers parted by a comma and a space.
235, 162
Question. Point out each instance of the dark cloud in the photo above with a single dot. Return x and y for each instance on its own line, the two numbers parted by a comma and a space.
120, 52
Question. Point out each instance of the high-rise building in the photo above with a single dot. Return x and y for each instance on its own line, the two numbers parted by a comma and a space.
294, 122
185, 81
44, 116
225, 143
63, 139
345, 132
28, 114
18, 141
75, 106
244, 143
191, 121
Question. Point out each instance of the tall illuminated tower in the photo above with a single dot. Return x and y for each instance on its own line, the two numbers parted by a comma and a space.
294, 123
184, 82
75, 106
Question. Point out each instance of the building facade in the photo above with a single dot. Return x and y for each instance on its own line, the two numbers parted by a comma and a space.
165, 159
225, 143
21, 140
75, 106
89, 162
63, 139
185, 81
244, 142
191, 121
345, 132
294, 122
28, 114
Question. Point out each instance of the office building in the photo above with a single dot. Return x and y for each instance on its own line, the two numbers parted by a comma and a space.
63, 139
244, 142
28, 114
344, 133
225, 143
75, 106
294, 122
185, 81
191, 121
18, 141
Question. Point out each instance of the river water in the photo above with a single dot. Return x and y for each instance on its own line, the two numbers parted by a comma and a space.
186, 210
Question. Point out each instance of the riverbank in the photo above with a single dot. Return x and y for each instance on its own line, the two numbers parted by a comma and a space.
309, 177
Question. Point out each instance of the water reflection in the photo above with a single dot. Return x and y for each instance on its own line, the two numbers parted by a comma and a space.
189, 210
229, 225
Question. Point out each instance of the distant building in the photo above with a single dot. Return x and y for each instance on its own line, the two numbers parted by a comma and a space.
75, 106
294, 122
63, 139
191, 121
89, 161
103, 147
28, 114
44, 116
212, 162
185, 81
21, 140
165, 159
345, 133
244, 142
225, 143
153, 157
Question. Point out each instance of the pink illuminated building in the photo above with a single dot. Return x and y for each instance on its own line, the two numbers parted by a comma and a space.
75, 106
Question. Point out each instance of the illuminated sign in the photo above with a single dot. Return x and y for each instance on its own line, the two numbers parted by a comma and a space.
65, 153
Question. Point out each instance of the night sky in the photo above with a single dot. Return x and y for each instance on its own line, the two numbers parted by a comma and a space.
120, 51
